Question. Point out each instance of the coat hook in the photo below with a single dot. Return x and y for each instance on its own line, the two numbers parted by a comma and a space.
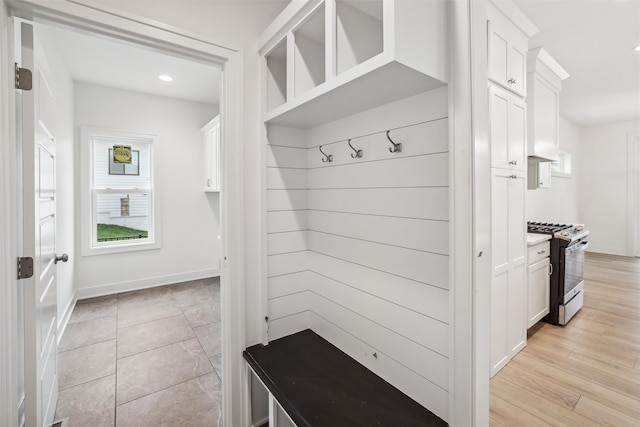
397, 148
327, 158
358, 153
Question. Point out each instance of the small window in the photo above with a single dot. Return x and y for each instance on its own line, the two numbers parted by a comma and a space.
118, 195
562, 167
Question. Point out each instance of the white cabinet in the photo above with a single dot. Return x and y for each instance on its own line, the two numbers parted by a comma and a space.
507, 49
544, 83
538, 276
508, 127
327, 59
508, 327
539, 174
211, 132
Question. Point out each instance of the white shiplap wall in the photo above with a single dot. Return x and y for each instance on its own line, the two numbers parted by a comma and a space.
358, 248
287, 229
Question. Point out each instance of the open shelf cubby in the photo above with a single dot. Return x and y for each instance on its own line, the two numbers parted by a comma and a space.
359, 32
309, 56
277, 76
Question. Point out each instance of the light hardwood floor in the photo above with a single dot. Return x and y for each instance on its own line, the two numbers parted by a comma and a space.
586, 373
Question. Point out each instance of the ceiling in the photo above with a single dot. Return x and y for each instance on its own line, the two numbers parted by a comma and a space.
121, 65
594, 41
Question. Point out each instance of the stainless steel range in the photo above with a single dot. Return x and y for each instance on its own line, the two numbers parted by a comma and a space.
568, 244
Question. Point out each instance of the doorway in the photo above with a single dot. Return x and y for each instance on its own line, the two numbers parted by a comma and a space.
166, 42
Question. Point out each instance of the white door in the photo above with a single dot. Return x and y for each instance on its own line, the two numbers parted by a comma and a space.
39, 235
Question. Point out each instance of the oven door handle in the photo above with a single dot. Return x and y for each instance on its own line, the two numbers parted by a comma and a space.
579, 247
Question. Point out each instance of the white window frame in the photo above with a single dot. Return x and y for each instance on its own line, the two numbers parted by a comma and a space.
88, 235
562, 167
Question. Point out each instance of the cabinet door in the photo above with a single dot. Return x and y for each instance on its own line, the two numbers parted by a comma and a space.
499, 100
516, 310
498, 52
508, 258
546, 110
517, 144
499, 318
508, 119
507, 50
537, 291
517, 328
516, 222
517, 57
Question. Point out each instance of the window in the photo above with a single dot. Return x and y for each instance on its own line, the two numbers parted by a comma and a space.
118, 193
562, 167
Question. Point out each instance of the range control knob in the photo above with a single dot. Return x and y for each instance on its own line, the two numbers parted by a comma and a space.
565, 233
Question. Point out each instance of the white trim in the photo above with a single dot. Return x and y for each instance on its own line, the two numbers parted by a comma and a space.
277, 30
633, 197
88, 218
9, 399
517, 16
66, 315
481, 216
150, 282
135, 29
540, 54
470, 215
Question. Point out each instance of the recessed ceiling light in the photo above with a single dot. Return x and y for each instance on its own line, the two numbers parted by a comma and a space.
638, 48
165, 78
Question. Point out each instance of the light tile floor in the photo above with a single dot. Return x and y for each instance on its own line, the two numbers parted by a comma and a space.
144, 358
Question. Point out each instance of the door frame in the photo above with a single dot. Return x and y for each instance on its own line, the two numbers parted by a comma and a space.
633, 199
170, 40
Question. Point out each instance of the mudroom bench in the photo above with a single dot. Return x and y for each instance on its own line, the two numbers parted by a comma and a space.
311, 383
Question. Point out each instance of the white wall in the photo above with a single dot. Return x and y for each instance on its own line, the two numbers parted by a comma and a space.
561, 202
65, 214
189, 217
603, 200
358, 249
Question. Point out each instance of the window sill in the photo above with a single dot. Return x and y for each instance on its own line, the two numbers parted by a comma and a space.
119, 248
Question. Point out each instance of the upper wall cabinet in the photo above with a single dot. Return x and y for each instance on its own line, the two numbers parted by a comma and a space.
327, 59
507, 46
211, 132
545, 78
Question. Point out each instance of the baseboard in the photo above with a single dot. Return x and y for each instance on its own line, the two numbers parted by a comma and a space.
611, 250
21, 414
134, 285
260, 423
66, 315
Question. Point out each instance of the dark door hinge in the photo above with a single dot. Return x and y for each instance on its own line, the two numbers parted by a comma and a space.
24, 79
25, 267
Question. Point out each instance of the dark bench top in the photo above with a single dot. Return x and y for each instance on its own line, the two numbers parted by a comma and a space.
319, 385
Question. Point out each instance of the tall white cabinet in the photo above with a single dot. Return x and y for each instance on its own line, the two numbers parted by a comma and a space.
507, 46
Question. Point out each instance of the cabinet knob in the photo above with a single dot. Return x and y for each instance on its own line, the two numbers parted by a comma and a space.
541, 252
550, 269
209, 182
511, 81
513, 162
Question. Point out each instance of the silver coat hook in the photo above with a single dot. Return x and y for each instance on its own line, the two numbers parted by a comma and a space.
327, 157
397, 148
357, 154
